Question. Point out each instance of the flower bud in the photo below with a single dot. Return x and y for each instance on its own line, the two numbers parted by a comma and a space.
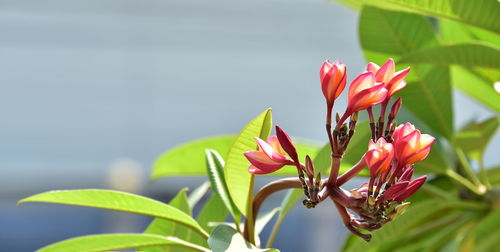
379, 156
364, 92
286, 143
412, 147
333, 79
412, 187
393, 81
395, 190
396, 106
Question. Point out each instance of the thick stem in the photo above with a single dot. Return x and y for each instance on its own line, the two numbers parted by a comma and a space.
262, 195
380, 128
334, 170
329, 124
346, 219
351, 173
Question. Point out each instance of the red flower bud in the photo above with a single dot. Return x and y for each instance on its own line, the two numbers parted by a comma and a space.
364, 92
333, 79
411, 146
395, 190
379, 157
412, 187
393, 81
396, 106
286, 143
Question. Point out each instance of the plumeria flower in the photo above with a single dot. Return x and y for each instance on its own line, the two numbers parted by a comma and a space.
364, 92
393, 81
269, 158
333, 79
379, 156
411, 146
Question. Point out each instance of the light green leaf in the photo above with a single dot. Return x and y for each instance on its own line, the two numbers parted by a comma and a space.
224, 238
215, 171
119, 201
494, 175
187, 159
173, 162
472, 54
385, 34
239, 180
108, 242
197, 194
485, 230
478, 13
213, 211
474, 138
358, 146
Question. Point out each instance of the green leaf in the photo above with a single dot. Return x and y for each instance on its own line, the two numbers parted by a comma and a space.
173, 162
215, 171
358, 146
385, 34
119, 201
187, 159
487, 227
167, 228
474, 138
478, 13
239, 180
213, 211
494, 175
225, 238
108, 242
466, 54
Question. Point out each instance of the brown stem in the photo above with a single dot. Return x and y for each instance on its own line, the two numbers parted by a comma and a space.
334, 170
358, 167
347, 218
264, 192
380, 128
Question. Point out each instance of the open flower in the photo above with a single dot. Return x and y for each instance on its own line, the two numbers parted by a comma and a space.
333, 79
269, 158
364, 92
411, 146
393, 81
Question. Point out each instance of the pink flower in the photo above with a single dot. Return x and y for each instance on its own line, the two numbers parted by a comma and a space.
269, 158
333, 79
364, 92
379, 156
411, 189
393, 81
411, 146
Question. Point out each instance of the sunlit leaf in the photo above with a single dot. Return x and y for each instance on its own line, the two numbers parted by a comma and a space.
109, 242
263, 219
119, 201
198, 193
215, 171
239, 180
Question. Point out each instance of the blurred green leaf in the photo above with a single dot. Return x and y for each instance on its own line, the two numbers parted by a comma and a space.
482, 90
215, 171
119, 201
485, 230
173, 162
187, 159
474, 138
386, 34
472, 54
357, 147
225, 238
197, 194
263, 219
478, 13
109, 242
214, 210
494, 175
239, 180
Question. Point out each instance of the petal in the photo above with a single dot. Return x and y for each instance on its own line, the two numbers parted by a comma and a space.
397, 82
372, 145
403, 130
265, 147
413, 186
254, 170
364, 81
261, 161
372, 67
386, 72
367, 98
286, 142
325, 68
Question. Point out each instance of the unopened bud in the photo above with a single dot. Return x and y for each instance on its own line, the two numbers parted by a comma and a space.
337, 117
309, 167
396, 106
286, 143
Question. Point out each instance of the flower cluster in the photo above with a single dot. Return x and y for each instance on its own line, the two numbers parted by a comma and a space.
391, 155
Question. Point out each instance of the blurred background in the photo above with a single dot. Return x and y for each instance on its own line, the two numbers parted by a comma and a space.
91, 92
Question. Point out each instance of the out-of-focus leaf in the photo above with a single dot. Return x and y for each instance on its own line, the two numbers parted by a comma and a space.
187, 159
119, 201
476, 86
215, 170
239, 180
357, 147
494, 175
112, 242
213, 211
263, 219
386, 34
466, 54
478, 13
224, 238
474, 138
198, 193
